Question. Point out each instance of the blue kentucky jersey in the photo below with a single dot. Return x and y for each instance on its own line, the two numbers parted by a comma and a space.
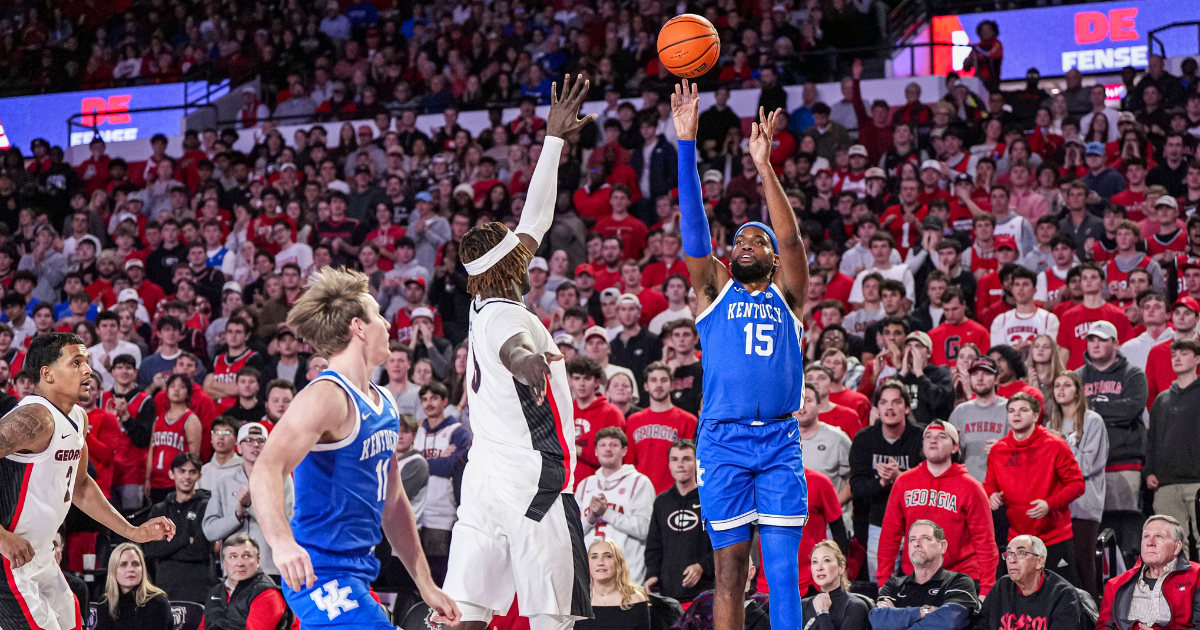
752, 356
341, 486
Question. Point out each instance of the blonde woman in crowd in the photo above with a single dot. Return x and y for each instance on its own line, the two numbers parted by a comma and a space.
130, 601
1083, 429
834, 607
1043, 365
617, 602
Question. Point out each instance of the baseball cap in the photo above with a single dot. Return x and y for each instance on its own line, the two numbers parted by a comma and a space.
244, 432
629, 298
563, 338
610, 292
338, 86
1126, 117
364, 129
424, 196
232, 285
584, 268
1006, 240
287, 165
421, 311
876, 173
1103, 330
134, 262
857, 149
362, 170
537, 262
396, 150
1093, 148
127, 295
933, 223
594, 331
713, 175
137, 196
983, 363
823, 171
284, 330
1074, 140
933, 164
1168, 201
465, 188
917, 335
942, 425
420, 281
1189, 302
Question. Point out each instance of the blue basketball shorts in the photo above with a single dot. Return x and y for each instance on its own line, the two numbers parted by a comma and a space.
750, 471
341, 597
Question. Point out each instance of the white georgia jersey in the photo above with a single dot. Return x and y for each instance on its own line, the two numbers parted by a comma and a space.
1012, 328
36, 488
528, 449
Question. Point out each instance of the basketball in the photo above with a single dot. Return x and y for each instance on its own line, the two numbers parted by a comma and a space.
688, 45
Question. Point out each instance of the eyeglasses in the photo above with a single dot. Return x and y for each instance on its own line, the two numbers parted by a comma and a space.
258, 441
222, 432
1019, 554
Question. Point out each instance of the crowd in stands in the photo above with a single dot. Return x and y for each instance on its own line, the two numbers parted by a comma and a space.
346, 59
1000, 326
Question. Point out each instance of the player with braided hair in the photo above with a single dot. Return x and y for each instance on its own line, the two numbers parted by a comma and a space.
517, 500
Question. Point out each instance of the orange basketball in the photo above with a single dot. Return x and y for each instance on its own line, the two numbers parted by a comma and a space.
688, 45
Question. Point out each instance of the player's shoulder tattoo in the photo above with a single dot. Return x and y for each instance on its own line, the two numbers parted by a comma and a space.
23, 426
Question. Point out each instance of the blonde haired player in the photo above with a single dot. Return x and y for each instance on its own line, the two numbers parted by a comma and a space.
519, 530
337, 439
43, 469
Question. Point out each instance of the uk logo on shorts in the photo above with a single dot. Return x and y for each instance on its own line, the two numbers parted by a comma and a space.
334, 601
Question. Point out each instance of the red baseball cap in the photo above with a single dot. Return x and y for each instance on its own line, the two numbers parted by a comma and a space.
1189, 302
1006, 240
420, 281
584, 268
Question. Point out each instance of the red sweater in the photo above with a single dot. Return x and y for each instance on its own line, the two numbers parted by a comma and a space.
854, 401
656, 273
954, 500
1073, 327
1040, 467
651, 434
103, 438
843, 418
594, 205
1178, 588
588, 421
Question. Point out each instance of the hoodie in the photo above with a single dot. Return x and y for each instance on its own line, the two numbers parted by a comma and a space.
1039, 467
932, 391
183, 565
869, 448
629, 496
954, 500
1118, 394
1090, 447
1171, 446
588, 421
677, 539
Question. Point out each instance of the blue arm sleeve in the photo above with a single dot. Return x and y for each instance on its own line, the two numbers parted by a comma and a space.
693, 223
894, 618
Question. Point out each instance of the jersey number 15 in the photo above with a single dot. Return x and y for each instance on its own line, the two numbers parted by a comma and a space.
759, 332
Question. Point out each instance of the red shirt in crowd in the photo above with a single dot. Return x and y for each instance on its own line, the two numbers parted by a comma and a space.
588, 421
855, 402
129, 461
630, 230
843, 418
656, 273
168, 441
651, 434
1039, 467
955, 501
1074, 324
949, 338
103, 439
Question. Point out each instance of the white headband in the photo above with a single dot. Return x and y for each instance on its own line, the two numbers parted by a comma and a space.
493, 255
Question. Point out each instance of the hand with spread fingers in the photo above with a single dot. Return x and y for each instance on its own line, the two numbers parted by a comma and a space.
563, 118
761, 134
685, 110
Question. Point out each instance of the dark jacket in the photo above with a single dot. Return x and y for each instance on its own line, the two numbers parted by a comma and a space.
1171, 446
716, 123
677, 540
636, 353
663, 173
869, 448
846, 612
223, 611
1055, 604
183, 565
271, 370
154, 615
933, 393
1119, 394
952, 593
1179, 588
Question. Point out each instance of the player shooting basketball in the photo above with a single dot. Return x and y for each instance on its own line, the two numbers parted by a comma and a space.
748, 457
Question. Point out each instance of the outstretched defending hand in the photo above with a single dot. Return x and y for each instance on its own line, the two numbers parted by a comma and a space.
685, 110
761, 133
563, 118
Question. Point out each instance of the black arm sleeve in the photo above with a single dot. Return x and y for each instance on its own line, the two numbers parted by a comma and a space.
140, 427
837, 527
